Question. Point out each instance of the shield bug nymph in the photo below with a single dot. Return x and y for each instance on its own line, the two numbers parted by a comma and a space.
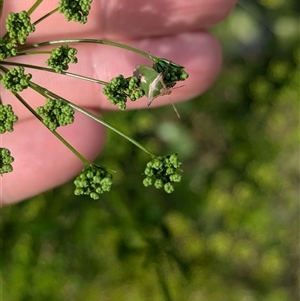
151, 82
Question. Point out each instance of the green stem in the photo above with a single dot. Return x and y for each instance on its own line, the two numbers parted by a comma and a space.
46, 16
67, 144
74, 75
34, 6
97, 119
43, 91
91, 41
35, 52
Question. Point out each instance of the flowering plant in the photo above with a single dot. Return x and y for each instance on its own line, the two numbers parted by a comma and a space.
150, 81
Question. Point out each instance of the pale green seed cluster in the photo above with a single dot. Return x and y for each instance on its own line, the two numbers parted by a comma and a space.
60, 58
16, 80
93, 181
5, 161
56, 113
7, 118
18, 26
75, 10
162, 172
121, 88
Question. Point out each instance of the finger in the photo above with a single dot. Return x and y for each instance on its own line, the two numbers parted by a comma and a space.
41, 160
131, 19
198, 52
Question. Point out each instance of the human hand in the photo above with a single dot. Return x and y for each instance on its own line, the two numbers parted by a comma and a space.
172, 29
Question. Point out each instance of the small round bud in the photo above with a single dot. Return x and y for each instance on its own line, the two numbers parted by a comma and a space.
147, 182
159, 183
169, 188
175, 177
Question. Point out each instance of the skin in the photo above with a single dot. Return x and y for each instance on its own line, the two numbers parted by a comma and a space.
175, 29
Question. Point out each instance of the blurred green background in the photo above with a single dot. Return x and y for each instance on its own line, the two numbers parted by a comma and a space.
230, 231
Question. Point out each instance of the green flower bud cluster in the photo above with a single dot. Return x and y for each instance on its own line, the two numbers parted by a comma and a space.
172, 72
56, 113
8, 48
163, 172
5, 161
119, 88
75, 10
7, 118
18, 26
93, 181
60, 57
15, 80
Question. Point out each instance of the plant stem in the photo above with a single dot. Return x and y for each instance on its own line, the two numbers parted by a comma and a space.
45, 16
34, 6
67, 144
96, 81
94, 117
90, 41
36, 52
43, 91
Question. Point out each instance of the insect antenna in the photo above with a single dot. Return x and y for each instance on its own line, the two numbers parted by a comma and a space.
174, 108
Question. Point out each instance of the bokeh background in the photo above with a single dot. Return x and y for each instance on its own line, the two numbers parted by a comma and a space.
230, 231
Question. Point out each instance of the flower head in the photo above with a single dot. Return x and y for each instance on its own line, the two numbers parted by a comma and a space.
56, 113
18, 26
16, 80
163, 172
5, 161
172, 72
75, 10
120, 88
93, 181
60, 58
7, 118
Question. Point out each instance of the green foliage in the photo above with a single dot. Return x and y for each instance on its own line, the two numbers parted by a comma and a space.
93, 181
18, 26
5, 161
60, 58
77, 10
56, 113
7, 118
16, 80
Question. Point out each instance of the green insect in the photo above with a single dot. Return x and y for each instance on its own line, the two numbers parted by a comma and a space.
151, 82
